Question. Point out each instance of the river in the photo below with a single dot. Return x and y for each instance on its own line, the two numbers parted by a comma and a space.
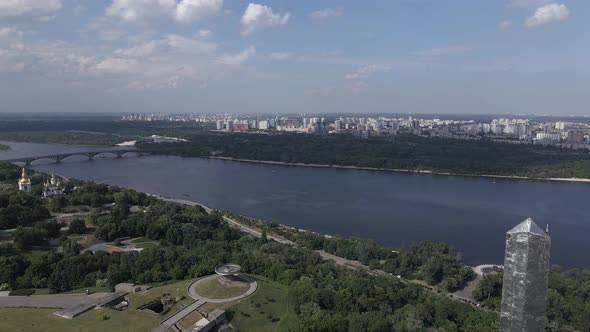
470, 213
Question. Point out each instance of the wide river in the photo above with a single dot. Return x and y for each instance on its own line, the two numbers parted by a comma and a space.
394, 209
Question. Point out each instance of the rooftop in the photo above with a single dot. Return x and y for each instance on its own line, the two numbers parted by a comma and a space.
528, 226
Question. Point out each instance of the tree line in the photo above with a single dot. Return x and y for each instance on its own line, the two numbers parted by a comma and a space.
407, 152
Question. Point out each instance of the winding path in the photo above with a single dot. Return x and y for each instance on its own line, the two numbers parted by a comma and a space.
166, 324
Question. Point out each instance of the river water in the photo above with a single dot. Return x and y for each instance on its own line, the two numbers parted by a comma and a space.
394, 209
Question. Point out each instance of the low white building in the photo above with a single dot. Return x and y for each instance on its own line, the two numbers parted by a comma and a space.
52, 187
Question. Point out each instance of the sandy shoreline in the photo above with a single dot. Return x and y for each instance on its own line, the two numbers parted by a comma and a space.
280, 163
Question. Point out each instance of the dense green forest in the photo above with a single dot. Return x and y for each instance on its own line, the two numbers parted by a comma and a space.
63, 137
407, 152
568, 305
103, 132
326, 297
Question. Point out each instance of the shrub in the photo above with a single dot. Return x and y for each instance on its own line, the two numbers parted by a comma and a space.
22, 292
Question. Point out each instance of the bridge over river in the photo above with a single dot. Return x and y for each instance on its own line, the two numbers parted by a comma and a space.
88, 154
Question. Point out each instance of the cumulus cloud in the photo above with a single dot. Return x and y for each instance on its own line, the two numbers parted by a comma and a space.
168, 44
237, 59
204, 34
258, 17
115, 66
443, 51
182, 11
45, 59
279, 56
366, 71
548, 14
10, 35
29, 8
326, 13
163, 62
504, 25
189, 10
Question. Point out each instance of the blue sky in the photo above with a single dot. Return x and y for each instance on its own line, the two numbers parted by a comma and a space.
398, 56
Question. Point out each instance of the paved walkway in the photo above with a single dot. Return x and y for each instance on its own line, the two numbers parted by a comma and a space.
71, 304
243, 228
192, 290
199, 301
170, 321
49, 301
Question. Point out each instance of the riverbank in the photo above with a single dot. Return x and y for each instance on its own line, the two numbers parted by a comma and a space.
513, 177
462, 295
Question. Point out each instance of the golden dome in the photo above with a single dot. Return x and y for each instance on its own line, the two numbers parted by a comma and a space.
24, 180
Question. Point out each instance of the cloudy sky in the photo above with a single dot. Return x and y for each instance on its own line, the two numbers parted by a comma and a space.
426, 56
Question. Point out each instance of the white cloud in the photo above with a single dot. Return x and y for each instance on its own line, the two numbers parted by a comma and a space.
111, 33
204, 34
183, 11
142, 50
164, 62
46, 59
504, 25
189, 10
279, 56
237, 59
115, 66
29, 8
12, 58
168, 44
326, 13
10, 35
258, 17
548, 14
366, 71
168, 82
443, 51
527, 3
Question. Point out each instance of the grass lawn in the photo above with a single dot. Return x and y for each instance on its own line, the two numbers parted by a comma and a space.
45, 291
216, 289
130, 320
190, 319
265, 310
25, 319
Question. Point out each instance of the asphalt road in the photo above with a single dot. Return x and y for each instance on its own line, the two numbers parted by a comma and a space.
49, 301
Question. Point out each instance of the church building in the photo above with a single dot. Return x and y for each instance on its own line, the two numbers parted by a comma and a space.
52, 187
24, 184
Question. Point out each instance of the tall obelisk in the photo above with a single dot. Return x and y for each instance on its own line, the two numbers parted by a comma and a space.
526, 272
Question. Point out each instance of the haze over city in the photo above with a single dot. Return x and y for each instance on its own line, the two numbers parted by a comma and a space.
505, 56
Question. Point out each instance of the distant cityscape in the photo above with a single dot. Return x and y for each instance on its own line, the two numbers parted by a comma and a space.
511, 130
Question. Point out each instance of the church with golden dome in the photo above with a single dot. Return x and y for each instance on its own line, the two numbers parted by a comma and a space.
24, 184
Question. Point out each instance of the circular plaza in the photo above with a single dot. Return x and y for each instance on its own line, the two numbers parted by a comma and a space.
228, 284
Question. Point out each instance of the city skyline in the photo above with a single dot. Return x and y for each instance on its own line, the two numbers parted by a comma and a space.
510, 56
